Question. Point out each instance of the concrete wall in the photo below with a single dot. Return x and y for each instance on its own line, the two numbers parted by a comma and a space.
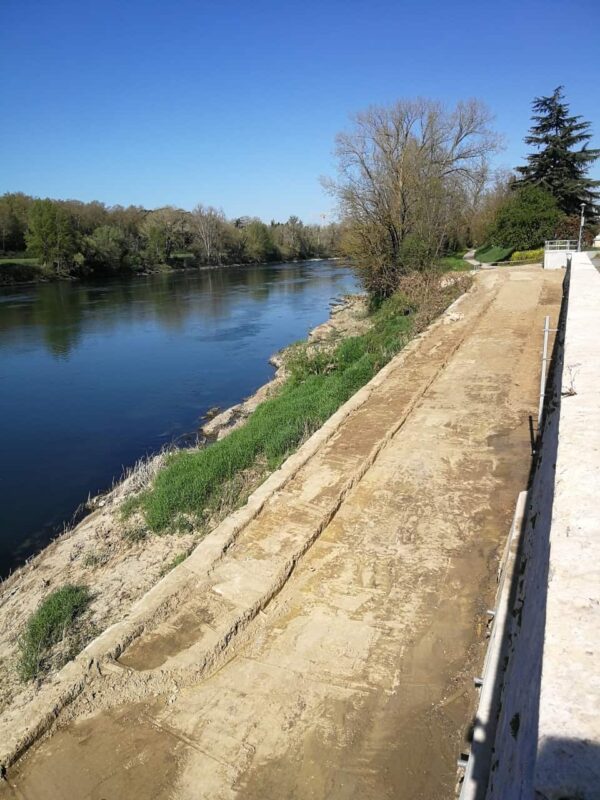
547, 740
555, 259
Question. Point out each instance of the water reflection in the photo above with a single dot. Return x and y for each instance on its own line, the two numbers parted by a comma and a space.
57, 313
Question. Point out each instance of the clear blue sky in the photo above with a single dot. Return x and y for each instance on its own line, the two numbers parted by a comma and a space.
236, 104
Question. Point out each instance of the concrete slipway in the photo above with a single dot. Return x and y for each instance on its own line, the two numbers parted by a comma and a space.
323, 643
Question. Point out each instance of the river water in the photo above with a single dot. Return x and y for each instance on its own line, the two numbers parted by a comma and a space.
95, 375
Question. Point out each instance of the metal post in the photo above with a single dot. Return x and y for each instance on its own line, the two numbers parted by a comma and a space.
543, 375
581, 224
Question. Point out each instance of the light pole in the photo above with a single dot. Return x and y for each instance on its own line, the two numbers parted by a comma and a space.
581, 223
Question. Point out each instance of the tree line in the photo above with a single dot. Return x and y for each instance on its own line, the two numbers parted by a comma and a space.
69, 237
414, 183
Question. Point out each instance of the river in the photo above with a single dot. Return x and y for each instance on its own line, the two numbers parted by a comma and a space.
94, 376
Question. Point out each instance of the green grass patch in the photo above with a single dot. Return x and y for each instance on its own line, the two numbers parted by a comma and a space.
32, 262
319, 383
491, 254
20, 270
454, 263
48, 625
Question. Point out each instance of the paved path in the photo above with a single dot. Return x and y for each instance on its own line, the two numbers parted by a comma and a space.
469, 257
330, 652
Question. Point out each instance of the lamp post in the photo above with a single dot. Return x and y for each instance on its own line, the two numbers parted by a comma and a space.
581, 223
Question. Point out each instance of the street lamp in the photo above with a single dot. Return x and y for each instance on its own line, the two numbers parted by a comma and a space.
581, 223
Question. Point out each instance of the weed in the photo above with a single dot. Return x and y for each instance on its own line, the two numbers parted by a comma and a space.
96, 558
48, 625
175, 562
135, 533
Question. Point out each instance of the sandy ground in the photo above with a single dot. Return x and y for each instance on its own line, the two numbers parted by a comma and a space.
348, 620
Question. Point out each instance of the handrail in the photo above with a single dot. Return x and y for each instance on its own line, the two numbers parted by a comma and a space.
561, 244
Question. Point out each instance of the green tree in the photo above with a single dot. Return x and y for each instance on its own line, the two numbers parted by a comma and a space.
561, 159
528, 217
14, 209
105, 248
259, 244
51, 236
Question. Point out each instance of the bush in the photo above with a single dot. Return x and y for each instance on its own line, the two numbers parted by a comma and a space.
528, 255
48, 625
528, 217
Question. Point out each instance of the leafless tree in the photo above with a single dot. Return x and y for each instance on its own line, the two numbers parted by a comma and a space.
208, 224
405, 173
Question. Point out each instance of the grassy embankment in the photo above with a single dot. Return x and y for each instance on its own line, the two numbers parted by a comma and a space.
492, 254
192, 484
20, 270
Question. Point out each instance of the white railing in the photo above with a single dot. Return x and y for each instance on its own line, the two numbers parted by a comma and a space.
561, 244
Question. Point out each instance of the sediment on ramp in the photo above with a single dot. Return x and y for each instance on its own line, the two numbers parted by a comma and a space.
330, 651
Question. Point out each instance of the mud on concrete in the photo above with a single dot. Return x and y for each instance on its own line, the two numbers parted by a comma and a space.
331, 651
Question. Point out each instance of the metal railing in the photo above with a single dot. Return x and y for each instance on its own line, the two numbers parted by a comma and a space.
561, 244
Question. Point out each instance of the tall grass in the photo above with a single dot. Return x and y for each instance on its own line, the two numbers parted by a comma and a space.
319, 383
48, 625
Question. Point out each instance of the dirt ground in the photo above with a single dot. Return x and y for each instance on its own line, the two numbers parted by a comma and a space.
330, 653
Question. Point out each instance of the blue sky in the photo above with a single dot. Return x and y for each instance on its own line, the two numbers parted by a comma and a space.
236, 104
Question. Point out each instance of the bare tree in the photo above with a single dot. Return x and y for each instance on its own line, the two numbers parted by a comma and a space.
208, 226
404, 174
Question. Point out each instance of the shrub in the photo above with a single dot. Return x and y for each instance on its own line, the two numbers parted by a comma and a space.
528, 217
48, 625
528, 255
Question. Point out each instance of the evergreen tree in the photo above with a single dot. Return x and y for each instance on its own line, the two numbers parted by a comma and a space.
561, 159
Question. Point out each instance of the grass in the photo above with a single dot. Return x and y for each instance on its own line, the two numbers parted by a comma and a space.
49, 625
19, 270
454, 263
32, 262
490, 254
96, 558
319, 383
175, 562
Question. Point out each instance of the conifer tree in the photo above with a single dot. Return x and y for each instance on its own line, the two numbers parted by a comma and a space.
561, 160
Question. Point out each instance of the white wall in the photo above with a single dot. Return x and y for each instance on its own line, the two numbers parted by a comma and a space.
547, 742
555, 259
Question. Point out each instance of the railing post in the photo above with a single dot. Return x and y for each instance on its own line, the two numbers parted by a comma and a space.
543, 375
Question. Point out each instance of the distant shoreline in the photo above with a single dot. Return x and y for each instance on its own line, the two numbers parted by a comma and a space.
167, 269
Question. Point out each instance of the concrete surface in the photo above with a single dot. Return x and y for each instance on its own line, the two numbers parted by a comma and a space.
568, 750
328, 648
547, 743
